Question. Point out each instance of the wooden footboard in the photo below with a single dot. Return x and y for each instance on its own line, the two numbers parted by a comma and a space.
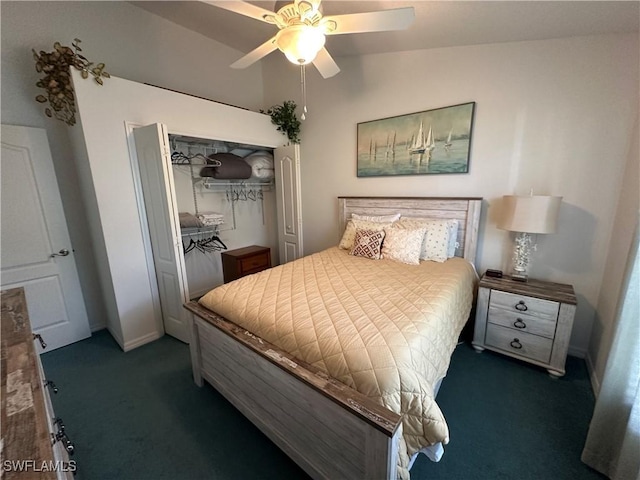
329, 429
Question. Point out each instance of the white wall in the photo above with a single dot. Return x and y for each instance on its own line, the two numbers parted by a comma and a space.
554, 115
624, 227
134, 44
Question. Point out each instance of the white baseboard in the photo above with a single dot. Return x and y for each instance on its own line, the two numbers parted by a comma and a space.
584, 354
595, 383
95, 327
577, 352
116, 337
138, 342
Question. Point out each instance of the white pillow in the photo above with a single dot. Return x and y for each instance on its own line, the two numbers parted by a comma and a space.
453, 238
403, 245
376, 218
435, 245
346, 243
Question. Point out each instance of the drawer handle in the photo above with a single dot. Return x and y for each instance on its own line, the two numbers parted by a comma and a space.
61, 436
515, 343
37, 336
51, 385
519, 323
521, 306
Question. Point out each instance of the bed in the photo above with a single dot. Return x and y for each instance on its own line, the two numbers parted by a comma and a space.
276, 345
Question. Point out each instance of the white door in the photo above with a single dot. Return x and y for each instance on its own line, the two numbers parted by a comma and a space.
156, 177
36, 251
289, 202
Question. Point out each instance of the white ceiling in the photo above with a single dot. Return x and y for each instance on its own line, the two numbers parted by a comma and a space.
438, 23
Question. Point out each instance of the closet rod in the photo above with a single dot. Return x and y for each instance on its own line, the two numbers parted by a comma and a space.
237, 184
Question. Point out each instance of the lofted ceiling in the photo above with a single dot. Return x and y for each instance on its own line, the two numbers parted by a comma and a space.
438, 23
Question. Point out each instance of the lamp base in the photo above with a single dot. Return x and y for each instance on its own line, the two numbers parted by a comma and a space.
521, 255
519, 277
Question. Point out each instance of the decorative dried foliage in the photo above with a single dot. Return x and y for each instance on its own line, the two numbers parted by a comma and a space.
57, 79
284, 116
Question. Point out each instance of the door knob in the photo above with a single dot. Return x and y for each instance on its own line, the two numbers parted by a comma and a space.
62, 253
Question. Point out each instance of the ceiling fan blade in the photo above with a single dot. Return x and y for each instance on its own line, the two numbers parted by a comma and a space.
256, 54
244, 8
384, 20
325, 64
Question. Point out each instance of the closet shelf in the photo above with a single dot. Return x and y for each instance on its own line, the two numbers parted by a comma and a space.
187, 232
210, 183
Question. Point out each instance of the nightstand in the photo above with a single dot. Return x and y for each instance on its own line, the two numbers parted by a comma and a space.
245, 261
530, 321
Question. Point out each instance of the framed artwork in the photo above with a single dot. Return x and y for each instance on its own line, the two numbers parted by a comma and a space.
423, 143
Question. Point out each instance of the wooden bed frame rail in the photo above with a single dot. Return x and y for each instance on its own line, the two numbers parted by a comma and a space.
330, 430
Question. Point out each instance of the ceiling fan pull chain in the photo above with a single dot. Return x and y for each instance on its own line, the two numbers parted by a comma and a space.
303, 82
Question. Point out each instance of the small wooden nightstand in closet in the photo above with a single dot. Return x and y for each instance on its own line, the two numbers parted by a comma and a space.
529, 320
245, 261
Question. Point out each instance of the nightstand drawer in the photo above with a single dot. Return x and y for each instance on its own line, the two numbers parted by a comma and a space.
255, 263
245, 261
522, 304
519, 343
521, 322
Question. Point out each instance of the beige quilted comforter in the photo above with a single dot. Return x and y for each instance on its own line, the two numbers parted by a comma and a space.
384, 328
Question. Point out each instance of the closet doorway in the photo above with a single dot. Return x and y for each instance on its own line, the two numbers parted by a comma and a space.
263, 211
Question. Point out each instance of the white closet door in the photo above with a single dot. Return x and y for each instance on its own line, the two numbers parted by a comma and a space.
156, 176
289, 202
36, 249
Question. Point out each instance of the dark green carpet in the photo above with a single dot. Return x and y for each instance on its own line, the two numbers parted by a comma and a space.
138, 415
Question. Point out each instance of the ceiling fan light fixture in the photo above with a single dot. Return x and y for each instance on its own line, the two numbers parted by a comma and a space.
300, 43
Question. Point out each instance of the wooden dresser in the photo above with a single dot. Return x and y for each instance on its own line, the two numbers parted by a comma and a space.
245, 261
34, 443
530, 320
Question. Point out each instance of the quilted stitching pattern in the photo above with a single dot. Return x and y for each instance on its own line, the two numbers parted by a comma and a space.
384, 328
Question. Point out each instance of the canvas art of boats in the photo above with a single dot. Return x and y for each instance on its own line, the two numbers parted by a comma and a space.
448, 143
427, 142
420, 144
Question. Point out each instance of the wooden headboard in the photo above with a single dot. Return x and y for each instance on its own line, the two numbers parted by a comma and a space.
464, 209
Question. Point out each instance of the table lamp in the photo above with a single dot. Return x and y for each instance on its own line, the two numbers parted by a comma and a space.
526, 215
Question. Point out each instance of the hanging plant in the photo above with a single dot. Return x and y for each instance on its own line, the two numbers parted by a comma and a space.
284, 117
57, 79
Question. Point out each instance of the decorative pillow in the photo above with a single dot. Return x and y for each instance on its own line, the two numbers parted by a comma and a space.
368, 244
350, 231
453, 238
436, 241
376, 218
403, 245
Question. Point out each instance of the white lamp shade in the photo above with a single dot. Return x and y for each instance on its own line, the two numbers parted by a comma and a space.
300, 43
530, 214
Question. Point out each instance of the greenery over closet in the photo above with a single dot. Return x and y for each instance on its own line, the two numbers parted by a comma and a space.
57, 78
284, 116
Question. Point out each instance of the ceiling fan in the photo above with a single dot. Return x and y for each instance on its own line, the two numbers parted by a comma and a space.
302, 30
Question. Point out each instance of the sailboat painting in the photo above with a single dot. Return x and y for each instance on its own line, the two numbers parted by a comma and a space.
430, 142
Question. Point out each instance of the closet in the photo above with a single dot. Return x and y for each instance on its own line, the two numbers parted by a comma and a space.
140, 152
186, 257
